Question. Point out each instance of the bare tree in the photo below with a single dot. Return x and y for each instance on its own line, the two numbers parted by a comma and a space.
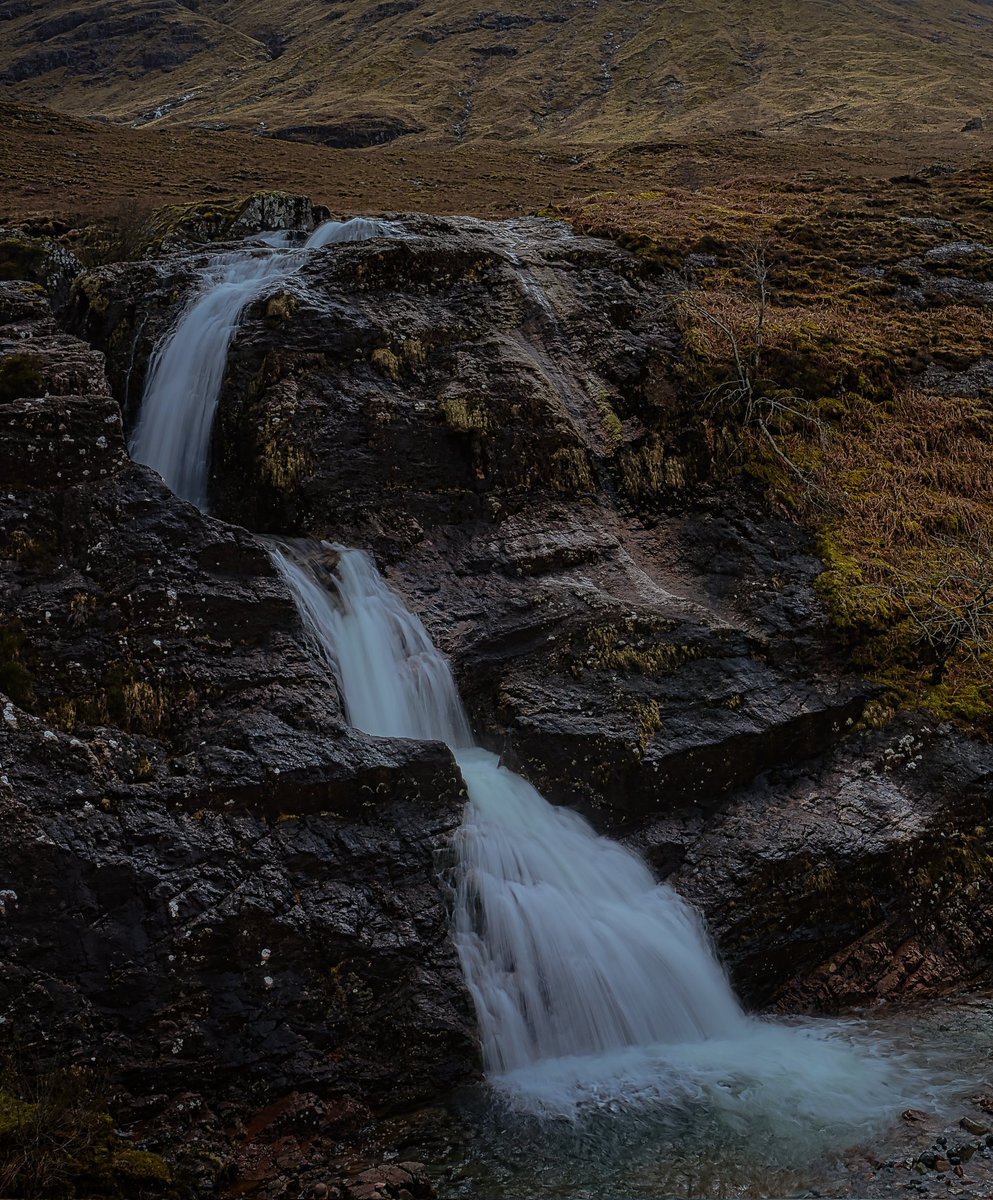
951, 602
747, 401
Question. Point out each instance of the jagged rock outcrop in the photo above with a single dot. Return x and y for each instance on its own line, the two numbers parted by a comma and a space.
209, 882
40, 260
493, 409
860, 876
186, 227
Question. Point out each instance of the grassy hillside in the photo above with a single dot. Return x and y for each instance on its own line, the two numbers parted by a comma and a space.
838, 346
583, 73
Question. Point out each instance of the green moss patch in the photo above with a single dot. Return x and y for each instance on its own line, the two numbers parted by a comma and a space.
20, 376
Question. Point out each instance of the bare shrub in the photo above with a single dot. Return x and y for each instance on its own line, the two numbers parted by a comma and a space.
49, 1122
745, 404
121, 236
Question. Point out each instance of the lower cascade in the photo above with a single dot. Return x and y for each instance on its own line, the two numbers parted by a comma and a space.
593, 984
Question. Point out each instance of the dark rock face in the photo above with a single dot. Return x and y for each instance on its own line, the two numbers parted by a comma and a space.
85, 43
491, 408
208, 880
859, 876
482, 404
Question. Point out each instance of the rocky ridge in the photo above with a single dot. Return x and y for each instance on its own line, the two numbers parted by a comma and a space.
587, 76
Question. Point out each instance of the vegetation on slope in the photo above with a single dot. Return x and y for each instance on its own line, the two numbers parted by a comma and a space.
839, 344
57, 1143
585, 74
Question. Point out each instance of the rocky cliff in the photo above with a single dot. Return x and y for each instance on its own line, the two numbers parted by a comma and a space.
209, 881
252, 924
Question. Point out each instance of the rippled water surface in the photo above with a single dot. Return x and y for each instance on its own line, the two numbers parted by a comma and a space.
483, 1147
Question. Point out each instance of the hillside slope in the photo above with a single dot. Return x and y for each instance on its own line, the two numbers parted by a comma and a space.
587, 74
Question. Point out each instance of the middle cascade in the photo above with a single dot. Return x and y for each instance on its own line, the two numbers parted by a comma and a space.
568, 944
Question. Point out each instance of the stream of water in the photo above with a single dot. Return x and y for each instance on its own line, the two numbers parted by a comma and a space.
599, 996
186, 370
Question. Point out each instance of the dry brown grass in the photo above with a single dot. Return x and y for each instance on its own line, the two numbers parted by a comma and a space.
53, 164
893, 475
917, 471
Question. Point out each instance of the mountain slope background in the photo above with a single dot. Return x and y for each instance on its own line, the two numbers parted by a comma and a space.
589, 74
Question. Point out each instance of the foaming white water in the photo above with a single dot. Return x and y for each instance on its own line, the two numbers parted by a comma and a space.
569, 946
818, 1079
596, 989
186, 371
393, 681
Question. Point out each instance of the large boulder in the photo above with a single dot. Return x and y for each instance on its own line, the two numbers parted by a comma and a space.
491, 407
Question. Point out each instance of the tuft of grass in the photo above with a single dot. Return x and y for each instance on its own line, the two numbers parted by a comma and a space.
16, 678
58, 1143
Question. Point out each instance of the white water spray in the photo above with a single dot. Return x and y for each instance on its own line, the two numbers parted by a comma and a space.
186, 371
593, 985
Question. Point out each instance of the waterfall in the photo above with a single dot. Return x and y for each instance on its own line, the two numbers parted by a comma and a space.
568, 944
358, 229
186, 370
394, 682
592, 983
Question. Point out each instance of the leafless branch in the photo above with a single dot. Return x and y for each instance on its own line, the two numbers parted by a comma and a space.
744, 401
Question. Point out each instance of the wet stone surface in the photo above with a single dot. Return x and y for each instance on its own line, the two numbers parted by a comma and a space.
252, 908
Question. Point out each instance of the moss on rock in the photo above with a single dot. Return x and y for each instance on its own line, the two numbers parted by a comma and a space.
20, 376
466, 413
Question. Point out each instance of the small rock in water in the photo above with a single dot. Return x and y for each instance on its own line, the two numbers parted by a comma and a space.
913, 1114
974, 1127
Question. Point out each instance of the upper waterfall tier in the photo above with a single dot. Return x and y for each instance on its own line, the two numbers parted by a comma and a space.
186, 371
